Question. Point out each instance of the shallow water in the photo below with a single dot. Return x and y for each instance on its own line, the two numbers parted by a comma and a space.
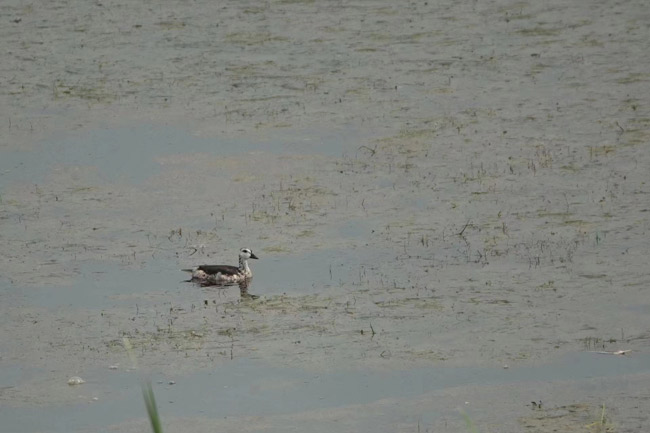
102, 284
131, 154
244, 387
97, 285
430, 197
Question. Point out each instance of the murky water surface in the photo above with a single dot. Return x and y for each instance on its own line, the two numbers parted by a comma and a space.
130, 156
244, 387
435, 190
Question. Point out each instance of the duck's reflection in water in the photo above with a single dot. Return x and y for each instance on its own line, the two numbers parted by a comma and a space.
243, 288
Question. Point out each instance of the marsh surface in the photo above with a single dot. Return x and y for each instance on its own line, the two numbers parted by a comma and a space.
436, 191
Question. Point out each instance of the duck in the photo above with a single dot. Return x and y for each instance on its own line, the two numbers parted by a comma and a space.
213, 275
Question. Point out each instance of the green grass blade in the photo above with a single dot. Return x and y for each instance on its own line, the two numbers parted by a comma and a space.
469, 424
152, 409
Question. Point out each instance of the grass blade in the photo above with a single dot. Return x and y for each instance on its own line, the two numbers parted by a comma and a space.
152, 409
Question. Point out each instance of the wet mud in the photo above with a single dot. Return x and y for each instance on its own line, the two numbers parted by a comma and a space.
427, 185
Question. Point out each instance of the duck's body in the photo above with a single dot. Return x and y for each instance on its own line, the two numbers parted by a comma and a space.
208, 275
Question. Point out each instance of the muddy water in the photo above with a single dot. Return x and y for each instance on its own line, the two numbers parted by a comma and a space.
239, 388
435, 190
362, 306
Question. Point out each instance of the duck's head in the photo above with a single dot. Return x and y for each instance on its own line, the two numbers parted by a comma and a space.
246, 253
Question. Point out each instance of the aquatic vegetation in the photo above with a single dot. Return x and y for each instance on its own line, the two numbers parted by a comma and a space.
152, 409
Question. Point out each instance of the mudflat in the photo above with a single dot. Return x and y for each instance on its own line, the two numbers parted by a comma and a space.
449, 201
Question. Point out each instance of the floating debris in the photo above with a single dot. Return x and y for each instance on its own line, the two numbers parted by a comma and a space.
75, 380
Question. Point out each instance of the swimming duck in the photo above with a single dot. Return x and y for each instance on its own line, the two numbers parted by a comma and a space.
208, 275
